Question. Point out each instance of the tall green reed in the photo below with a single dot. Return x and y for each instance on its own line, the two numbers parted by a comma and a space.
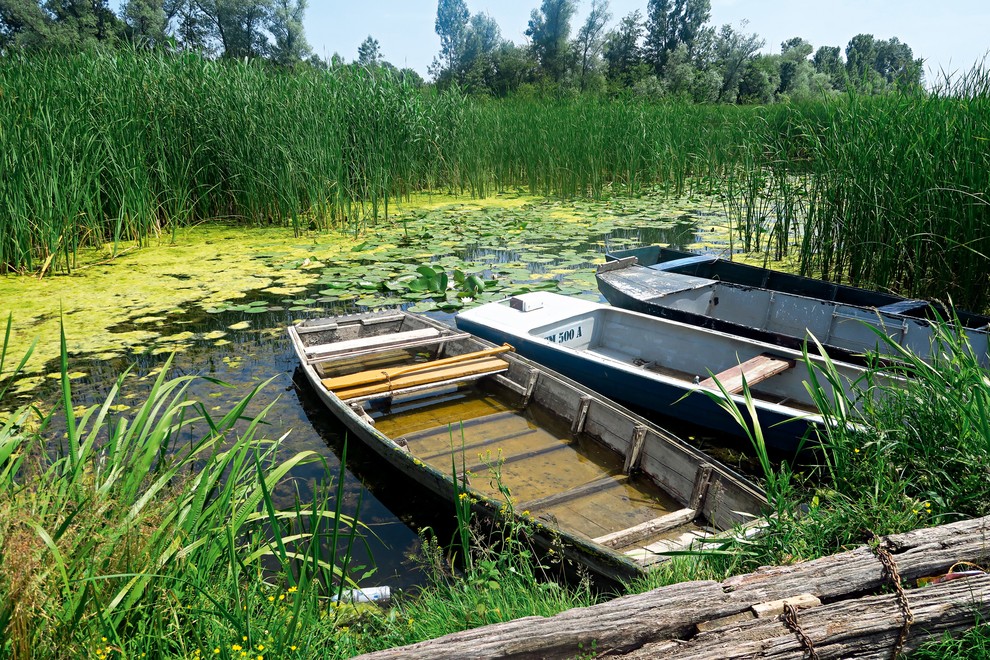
140, 531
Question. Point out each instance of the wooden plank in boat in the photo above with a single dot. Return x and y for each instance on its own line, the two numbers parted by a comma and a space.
371, 376
378, 341
577, 492
755, 370
445, 373
645, 530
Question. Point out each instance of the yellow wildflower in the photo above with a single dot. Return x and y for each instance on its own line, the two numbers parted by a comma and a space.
293, 590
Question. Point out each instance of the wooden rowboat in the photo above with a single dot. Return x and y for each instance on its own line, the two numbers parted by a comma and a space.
775, 307
653, 363
604, 486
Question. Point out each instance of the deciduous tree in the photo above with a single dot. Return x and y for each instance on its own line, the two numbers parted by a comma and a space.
622, 52
590, 39
549, 31
670, 23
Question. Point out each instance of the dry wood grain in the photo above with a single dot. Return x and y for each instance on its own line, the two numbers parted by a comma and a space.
652, 622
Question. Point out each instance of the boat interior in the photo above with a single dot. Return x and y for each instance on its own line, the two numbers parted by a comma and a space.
510, 430
689, 354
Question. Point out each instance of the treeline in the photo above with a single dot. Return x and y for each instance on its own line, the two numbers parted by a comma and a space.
669, 49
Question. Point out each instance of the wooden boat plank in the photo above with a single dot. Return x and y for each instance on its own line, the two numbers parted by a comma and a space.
645, 530
458, 450
370, 376
436, 375
654, 553
574, 493
375, 341
755, 370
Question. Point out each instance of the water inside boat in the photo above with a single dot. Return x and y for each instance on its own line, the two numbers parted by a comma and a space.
548, 472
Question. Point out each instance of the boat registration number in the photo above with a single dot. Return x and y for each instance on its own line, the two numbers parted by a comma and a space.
569, 334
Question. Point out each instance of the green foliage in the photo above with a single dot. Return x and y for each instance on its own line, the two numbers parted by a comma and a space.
150, 534
549, 31
917, 454
974, 644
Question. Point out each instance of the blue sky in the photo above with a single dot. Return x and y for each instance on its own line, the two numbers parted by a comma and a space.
950, 35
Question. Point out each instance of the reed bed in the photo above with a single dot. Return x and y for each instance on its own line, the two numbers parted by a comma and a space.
104, 147
109, 147
154, 533
883, 192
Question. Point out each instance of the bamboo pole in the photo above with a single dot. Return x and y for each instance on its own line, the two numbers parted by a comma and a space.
378, 375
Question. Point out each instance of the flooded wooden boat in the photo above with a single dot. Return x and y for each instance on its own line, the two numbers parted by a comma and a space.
776, 307
607, 488
653, 363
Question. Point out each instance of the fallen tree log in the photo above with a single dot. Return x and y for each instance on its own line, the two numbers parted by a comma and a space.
667, 620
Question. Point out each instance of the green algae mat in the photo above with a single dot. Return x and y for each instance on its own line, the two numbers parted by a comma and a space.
434, 253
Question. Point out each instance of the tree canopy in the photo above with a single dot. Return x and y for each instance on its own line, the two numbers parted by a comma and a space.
668, 49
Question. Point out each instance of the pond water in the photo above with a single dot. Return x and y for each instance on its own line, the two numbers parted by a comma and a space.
233, 329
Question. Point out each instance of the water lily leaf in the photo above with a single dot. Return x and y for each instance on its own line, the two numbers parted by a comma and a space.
359, 246
418, 284
450, 305
427, 271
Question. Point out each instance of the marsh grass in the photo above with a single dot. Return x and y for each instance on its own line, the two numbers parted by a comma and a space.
116, 147
915, 454
136, 535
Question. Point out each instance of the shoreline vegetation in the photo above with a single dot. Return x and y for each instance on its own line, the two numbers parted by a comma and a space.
111, 147
135, 534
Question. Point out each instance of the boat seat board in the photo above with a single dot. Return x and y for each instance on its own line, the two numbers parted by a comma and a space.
903, 306
686, 261
642, 531
755, 370
364, 343
460, 370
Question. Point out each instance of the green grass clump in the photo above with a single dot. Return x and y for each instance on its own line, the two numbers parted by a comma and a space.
155, 533
916, 454
974, 644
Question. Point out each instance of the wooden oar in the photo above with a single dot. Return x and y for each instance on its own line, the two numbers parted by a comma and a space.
377, 375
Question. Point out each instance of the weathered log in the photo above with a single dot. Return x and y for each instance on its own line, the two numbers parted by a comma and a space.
667, 618
865, 627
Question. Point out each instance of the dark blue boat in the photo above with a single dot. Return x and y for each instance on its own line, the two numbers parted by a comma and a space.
776, 307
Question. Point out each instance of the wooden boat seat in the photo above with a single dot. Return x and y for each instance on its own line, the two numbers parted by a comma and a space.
693, 260
903, 306
655, 527
395, 379
755, 370
378, 342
